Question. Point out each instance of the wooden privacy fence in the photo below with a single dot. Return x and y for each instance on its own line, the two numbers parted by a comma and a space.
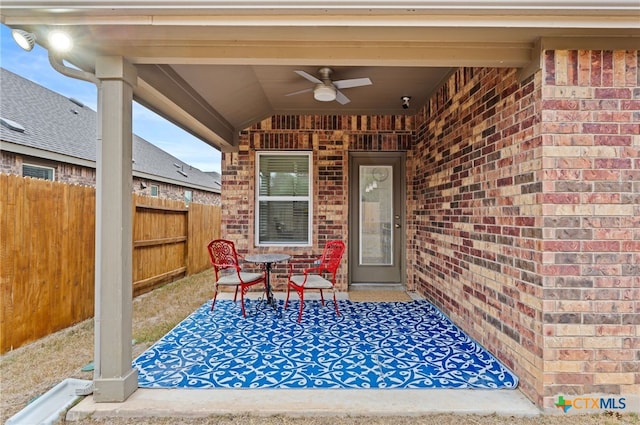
46, 257
47, 252
169, 240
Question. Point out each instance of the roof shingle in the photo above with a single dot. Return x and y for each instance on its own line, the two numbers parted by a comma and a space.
54, 123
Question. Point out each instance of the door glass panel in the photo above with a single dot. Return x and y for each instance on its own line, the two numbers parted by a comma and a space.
376, 215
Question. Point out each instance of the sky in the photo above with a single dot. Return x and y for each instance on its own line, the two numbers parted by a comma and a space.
34, 66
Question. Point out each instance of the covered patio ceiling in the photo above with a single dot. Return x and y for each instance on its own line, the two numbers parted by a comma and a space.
216, 67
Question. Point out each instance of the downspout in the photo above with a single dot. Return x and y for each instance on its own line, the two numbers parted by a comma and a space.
58, 65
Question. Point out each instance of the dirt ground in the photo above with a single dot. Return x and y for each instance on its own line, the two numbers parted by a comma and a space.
29, 371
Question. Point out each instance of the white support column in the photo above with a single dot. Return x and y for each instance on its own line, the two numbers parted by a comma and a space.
114, 378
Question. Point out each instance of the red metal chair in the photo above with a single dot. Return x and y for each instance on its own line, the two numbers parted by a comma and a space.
228, 271
301, 279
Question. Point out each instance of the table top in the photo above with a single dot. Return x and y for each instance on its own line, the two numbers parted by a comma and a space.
266, 258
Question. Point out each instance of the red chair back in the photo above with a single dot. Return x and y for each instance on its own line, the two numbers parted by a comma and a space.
331, 257
223, 255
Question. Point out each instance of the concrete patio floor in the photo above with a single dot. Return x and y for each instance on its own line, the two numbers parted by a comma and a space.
311, 402
307, 402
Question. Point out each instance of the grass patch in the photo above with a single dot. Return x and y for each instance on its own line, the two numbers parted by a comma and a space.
31, 370
151, 334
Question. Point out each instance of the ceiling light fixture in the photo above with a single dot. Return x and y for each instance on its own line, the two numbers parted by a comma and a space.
60, 41
26, 40
324, 93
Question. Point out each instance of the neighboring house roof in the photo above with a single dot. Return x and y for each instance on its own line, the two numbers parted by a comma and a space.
39, 122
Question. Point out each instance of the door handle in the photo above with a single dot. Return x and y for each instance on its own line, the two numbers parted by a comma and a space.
397, 226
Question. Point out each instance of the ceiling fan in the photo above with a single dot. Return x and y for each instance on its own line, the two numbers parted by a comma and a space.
326, 90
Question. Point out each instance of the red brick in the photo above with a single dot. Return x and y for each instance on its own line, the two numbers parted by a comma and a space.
562, 104
630, 105
561, 246
573, 378
609, 175
611, 93
626, 359
603, 367
601, 246
630, 129
607, 140
601, 128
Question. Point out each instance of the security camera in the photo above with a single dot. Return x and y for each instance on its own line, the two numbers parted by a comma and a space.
405, 101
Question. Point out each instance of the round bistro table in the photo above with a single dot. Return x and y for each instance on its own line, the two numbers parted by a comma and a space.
268, 260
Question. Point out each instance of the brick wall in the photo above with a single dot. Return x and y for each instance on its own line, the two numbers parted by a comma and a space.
476, 214
591, 268
75, 174
330, 138
8, 163
174, 192
64, 172
523, 211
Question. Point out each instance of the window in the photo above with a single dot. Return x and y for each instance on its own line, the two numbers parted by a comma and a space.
155, 191
38, 172
283, 198
188, 197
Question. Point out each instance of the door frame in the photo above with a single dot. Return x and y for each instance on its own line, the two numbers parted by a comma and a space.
381, 156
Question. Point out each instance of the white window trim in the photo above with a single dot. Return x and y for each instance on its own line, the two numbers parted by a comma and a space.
53, 170
259, 198
157, 195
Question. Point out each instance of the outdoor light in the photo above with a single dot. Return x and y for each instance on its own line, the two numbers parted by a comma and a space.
24, 39
324, 93
60, 41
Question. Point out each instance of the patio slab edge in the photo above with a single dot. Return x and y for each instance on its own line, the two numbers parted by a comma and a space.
308, 402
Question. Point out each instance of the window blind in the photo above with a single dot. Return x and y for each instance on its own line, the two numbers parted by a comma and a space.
283, 214
284, 175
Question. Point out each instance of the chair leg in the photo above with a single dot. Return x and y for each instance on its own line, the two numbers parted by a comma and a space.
215, 295
244, 314
335, 303
243, 290
286, 302
301, 293
322, 297
235, 295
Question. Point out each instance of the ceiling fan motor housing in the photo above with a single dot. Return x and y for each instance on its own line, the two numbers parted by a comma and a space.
324, 92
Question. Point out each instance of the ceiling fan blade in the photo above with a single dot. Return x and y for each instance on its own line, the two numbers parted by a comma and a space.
299, 92
308, 77
341, 98
354, 82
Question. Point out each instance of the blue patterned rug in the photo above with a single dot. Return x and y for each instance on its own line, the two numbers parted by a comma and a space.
371, 345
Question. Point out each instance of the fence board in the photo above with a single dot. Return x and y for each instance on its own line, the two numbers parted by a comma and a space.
204, 226
47, 252
157, 221
40, 274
